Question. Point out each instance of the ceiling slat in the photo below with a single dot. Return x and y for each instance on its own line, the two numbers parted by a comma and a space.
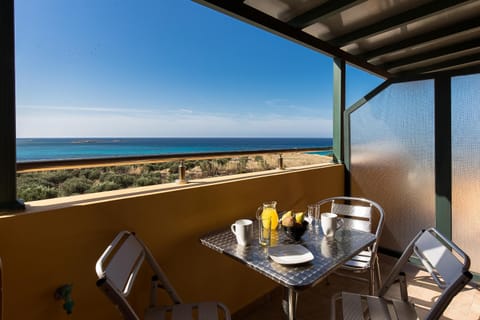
454, 48
430, 36
321, 12
394, 21
445, 64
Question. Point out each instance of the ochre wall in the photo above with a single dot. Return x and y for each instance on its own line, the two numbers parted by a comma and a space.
43, 249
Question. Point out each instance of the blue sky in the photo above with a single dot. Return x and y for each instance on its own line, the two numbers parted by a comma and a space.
111, 68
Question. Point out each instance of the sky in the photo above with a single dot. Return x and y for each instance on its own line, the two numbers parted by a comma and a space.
165, 68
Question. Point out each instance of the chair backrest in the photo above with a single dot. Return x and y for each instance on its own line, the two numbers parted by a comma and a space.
447, 264
357, 213
118, 267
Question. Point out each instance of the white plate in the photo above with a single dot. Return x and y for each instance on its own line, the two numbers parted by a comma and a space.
290, 254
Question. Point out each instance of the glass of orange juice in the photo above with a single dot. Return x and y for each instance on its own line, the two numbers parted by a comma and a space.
267, 217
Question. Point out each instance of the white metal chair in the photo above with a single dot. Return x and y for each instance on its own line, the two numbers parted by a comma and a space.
365, 215
447, 264
117, 269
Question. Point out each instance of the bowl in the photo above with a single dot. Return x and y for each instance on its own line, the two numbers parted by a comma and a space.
295, 232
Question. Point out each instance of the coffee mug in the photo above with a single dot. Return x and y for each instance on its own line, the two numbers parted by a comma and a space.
330, 223
243, 230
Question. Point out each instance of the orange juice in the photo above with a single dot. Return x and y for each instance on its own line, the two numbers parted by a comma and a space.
270, 213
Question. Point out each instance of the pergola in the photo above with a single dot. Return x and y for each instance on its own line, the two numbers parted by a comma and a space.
402, 41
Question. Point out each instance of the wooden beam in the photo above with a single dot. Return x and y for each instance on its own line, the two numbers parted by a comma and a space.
395, 21
426, 37
444, 64
454, 48
322, 12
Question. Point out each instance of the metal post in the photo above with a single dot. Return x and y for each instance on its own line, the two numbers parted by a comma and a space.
8, 183
181, 173
338, 108
281, 166
443, 156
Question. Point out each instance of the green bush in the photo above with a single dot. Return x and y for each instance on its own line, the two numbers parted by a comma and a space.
36, 192
104, 186
148, 180
74, 185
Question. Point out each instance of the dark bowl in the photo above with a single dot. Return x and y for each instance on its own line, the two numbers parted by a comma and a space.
296, 232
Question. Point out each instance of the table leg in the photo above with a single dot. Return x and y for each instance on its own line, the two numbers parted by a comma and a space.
289, 303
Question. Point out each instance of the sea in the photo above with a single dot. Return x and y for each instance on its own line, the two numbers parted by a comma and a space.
38, 149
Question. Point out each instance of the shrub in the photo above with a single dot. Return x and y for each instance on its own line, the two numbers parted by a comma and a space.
104, 186
36, 192
55, 177
123, 180
92, 174
74, 185
148, 180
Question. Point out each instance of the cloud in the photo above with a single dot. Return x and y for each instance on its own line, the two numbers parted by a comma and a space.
180, 122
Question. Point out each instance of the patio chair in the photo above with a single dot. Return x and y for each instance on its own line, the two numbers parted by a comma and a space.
364, 215
448, 267
117, 269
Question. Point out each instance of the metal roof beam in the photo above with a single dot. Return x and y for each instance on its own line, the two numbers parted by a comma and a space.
392, 22
454, 48
445, 64
271, 24
321, 12
426, 37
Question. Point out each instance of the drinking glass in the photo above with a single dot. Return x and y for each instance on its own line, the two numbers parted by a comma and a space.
313, 214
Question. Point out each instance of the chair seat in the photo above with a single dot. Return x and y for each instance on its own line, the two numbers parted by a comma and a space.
354, 306
360, 261
186, 311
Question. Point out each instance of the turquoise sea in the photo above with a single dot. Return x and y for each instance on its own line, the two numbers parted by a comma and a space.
36, 149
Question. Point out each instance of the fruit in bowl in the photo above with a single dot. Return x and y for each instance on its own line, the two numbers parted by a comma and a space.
294, 225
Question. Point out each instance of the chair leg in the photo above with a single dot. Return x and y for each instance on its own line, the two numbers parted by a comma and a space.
371, 281
379, 275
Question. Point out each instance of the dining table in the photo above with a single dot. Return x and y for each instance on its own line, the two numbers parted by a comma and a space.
295, 265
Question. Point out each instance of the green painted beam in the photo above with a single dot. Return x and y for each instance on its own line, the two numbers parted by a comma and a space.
455, 48
339, 70
472, 58
8, 192
443, 156
321, 12
422, 38
394, 21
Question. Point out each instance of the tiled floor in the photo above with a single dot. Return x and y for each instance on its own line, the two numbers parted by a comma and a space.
315, 302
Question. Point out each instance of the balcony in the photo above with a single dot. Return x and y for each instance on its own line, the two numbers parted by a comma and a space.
57, 241
411, 145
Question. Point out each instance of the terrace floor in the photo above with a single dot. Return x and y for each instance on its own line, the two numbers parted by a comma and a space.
315, 303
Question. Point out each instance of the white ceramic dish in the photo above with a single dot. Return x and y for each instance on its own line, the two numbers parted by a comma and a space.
290, 254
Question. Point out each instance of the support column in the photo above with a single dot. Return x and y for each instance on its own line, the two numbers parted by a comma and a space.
338, 109
443, 155
8, 192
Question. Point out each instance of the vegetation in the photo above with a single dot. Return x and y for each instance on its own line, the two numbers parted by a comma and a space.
59, 183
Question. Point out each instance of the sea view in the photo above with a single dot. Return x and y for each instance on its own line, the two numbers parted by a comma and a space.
37, 149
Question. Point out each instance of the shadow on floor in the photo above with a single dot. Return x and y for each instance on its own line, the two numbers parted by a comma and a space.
314, 303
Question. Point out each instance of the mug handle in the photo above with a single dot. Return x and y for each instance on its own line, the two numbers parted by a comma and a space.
233, 227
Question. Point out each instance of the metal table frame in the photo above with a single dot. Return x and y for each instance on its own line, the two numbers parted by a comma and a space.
329, 254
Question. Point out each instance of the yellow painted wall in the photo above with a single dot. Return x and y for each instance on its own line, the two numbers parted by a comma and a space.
43, 250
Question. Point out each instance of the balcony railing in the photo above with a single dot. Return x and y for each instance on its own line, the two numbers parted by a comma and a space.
31, 166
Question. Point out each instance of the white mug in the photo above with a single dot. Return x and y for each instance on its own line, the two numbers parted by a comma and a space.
330, 223
243, 230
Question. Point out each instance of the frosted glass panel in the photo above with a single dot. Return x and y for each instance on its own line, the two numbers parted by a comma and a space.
392, 158
466, 165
